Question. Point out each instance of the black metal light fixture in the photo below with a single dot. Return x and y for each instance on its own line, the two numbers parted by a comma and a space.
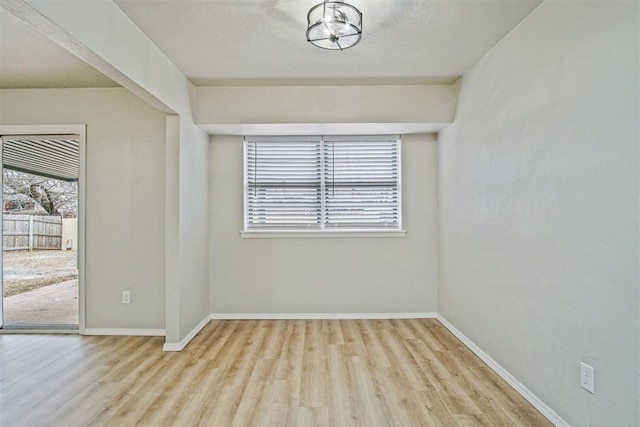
334, 25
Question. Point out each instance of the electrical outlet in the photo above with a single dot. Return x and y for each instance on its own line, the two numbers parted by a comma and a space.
126, 297
587, 378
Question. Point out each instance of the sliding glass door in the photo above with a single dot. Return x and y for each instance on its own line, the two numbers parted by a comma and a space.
40, 207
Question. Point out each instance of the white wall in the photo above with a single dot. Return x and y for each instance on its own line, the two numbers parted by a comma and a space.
539, 208
194, 223
125, 201
187, 224
347, 275
427, 106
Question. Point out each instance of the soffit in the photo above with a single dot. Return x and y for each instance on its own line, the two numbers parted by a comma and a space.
51, 156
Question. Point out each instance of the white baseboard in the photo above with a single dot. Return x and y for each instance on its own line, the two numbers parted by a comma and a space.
186, 340
130, 332
549, 413
320, 316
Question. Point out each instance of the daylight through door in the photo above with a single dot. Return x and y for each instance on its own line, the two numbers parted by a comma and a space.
40, 208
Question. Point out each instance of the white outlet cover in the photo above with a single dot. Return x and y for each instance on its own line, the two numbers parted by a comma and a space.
587, 377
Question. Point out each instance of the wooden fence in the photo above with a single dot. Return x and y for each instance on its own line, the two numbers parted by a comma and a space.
27, 232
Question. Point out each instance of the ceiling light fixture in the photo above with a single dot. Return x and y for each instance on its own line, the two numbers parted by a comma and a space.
334, 25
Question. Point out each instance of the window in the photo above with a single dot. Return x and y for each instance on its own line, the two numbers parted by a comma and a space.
322, 184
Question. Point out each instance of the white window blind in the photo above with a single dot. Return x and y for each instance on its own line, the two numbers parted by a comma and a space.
322, 183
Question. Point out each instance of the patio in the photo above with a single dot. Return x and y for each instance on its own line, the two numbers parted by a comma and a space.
40, 288
54, 304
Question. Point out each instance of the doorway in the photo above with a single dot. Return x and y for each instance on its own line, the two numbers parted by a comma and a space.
42, 232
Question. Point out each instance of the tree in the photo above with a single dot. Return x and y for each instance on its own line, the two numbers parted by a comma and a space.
49, 194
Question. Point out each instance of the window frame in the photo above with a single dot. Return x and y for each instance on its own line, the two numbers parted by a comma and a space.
323, 232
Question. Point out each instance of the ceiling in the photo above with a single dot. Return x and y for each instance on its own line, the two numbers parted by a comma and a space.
218, 42
28, 59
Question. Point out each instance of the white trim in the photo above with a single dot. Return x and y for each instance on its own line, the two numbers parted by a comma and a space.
400, 171
282, 138
326, 137
549, 413
1, 235
54, 129
318, 234
321, 316
245, 185
361, 138
82, 229
173, 347
169, 346
124, 331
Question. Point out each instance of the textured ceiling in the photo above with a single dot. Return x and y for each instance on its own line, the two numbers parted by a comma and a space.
236, 41
263, 42
30, 60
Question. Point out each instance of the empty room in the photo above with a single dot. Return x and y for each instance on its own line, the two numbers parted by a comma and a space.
299, 213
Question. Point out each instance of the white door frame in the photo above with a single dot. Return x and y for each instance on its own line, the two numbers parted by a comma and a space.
80, 130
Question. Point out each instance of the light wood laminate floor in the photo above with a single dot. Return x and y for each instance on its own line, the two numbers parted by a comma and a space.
264, 373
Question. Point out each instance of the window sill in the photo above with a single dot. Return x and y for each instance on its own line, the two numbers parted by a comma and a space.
313, 234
